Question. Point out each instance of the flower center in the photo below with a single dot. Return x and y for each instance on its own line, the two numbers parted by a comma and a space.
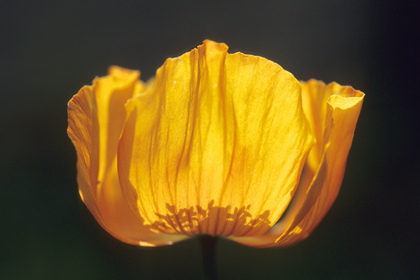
213, 220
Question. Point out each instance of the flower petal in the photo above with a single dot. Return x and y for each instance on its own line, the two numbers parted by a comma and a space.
332, 111
216, 145
96, 116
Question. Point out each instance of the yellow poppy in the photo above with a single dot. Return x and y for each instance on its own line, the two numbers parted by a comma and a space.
221, 144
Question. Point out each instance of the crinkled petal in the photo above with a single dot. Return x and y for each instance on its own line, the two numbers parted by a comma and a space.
96, 117
332, 111
216, 146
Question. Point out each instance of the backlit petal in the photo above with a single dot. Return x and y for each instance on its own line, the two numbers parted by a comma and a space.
332, 111
215, 146
96, 117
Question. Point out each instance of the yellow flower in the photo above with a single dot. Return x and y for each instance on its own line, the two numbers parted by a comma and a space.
221, 144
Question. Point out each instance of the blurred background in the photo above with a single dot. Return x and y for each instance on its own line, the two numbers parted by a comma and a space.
50, 49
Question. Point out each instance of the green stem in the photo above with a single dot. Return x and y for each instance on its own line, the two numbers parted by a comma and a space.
208, 245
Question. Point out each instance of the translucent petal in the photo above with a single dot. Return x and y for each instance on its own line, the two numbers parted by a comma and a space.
216, 146
96, 117
332, 111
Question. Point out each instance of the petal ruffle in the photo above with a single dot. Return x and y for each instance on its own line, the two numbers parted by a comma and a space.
96, 117
216, 146
332, 111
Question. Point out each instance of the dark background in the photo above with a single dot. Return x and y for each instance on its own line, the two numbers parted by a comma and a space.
50, 49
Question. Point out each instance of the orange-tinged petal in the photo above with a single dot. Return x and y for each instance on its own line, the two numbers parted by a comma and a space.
96, 117
215, 146
332, 111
